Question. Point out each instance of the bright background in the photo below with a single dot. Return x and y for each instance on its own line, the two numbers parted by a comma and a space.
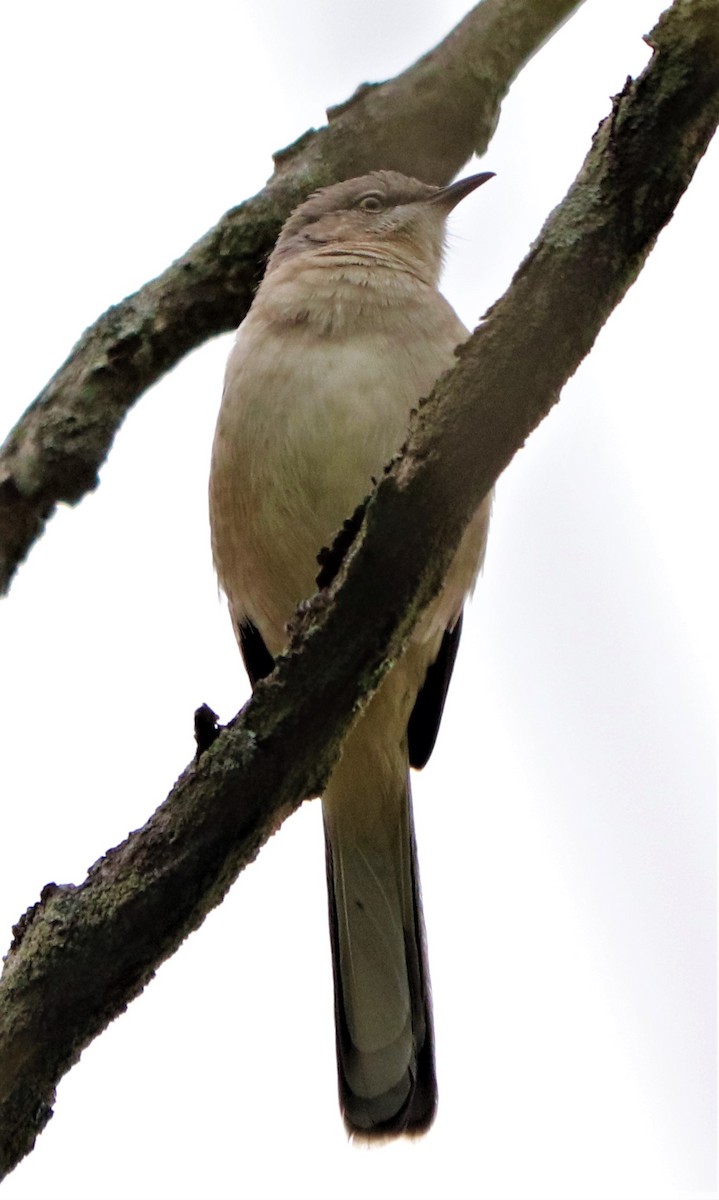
566, 822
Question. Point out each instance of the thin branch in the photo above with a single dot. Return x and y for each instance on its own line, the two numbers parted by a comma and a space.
427, 122
83, 953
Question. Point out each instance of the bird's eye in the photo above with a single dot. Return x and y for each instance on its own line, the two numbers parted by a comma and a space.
372, 202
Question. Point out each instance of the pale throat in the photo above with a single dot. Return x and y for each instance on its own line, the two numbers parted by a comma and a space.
345, 286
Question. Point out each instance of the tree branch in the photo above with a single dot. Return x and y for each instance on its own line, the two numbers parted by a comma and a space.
83, 953
426, 122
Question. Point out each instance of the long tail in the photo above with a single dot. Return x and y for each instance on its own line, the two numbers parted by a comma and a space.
383, 1012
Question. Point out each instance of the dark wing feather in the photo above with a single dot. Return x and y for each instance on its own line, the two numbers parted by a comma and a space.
426, 715
256, 657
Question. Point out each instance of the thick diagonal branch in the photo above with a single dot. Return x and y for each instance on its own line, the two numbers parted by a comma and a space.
427, 122
85, 952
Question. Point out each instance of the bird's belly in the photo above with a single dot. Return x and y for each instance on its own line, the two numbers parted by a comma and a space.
302, 434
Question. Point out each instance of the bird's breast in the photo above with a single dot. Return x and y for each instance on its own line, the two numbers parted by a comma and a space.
309, 419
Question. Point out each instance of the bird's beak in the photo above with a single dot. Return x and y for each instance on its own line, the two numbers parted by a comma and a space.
448, 196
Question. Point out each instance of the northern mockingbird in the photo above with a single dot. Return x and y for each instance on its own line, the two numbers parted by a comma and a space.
346, 333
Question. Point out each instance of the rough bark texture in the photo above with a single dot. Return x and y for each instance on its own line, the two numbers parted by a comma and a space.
83, 953
427, 122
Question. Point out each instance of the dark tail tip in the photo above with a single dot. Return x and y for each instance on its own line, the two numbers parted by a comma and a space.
366, 1120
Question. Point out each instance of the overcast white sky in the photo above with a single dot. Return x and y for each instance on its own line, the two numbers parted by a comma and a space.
566, 821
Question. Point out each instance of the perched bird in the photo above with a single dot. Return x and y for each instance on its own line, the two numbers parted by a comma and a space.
346, 333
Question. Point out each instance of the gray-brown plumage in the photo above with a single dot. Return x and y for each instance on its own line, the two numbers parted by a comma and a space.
346, 333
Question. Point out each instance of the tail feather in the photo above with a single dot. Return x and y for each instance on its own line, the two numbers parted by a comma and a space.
383, 1017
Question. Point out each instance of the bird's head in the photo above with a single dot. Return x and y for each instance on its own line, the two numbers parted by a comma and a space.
384, 216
